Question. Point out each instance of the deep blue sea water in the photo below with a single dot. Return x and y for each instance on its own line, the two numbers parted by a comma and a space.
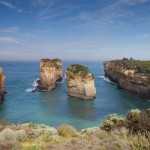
55, 107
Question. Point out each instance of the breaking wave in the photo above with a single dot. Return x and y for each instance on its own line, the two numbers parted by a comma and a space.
108, 80
34, 85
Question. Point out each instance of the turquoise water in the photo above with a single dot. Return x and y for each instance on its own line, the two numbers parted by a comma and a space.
55, 107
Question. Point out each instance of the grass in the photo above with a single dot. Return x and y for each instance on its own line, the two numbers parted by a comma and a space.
139, 66
67, 131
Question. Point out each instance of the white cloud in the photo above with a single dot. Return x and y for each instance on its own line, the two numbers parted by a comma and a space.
10, 6
146, 35
8, 39
134, 1
9, 30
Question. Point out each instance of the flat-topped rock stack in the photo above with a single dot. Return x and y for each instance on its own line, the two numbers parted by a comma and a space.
80, 82
2, 85
50, 73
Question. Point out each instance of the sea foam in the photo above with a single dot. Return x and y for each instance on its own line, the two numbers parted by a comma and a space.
108, 80
34, 85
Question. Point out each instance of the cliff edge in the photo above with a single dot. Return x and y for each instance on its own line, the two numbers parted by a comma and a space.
2, 82
130, 75
80, 82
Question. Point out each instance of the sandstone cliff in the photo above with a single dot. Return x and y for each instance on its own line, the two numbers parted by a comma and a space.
2, 82
80, 82
130, 75
50, 73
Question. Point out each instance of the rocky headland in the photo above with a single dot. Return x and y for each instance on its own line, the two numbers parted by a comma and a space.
130, 75
2, 88
80, 82
50, 74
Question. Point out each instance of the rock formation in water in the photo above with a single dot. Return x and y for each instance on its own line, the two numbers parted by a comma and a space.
80, 82
50, 73
130, 75
2, 82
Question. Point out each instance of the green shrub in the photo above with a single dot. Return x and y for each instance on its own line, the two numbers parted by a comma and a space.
133, 118
47, 137
138, 121
67, 131
134, 115
113, 121
78, 69
32, 125
32, 147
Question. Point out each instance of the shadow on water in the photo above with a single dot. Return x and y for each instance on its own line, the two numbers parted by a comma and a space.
84, 109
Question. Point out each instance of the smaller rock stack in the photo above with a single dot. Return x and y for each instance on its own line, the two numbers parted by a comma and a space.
50, 73
80, 82
2, 83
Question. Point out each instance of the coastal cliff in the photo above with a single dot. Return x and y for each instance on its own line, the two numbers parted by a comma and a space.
50, 73
130, 75
80, 82
2, 82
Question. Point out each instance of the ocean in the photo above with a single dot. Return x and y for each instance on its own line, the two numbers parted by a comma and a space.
55, 107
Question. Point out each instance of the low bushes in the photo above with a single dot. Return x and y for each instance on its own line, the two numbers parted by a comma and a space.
67, 131
135, 121
116, 133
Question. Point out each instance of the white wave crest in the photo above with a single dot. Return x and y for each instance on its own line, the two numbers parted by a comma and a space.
108, 80
64, 76
34, 85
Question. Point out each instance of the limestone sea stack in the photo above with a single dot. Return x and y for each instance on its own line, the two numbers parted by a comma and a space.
80, 82
2, 83
50, 73
131, 75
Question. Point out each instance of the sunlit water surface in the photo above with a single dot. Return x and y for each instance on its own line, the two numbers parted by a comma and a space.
55, 107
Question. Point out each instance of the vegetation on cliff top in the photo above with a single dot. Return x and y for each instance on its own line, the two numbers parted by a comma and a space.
52, 62
115, 133
78, 69
139, 66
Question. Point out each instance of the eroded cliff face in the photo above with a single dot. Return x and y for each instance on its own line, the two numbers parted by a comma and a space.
128, 78
50, 73
2, 83
80, 82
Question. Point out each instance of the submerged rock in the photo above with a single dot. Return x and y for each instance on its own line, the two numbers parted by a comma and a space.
2, 88
80, 82
50, 73
130, 75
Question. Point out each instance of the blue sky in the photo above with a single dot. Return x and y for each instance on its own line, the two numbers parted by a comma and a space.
74, 29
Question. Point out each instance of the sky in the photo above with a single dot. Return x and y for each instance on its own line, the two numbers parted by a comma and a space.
88, 30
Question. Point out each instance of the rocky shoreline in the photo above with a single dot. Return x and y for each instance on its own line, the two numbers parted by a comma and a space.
128, 76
